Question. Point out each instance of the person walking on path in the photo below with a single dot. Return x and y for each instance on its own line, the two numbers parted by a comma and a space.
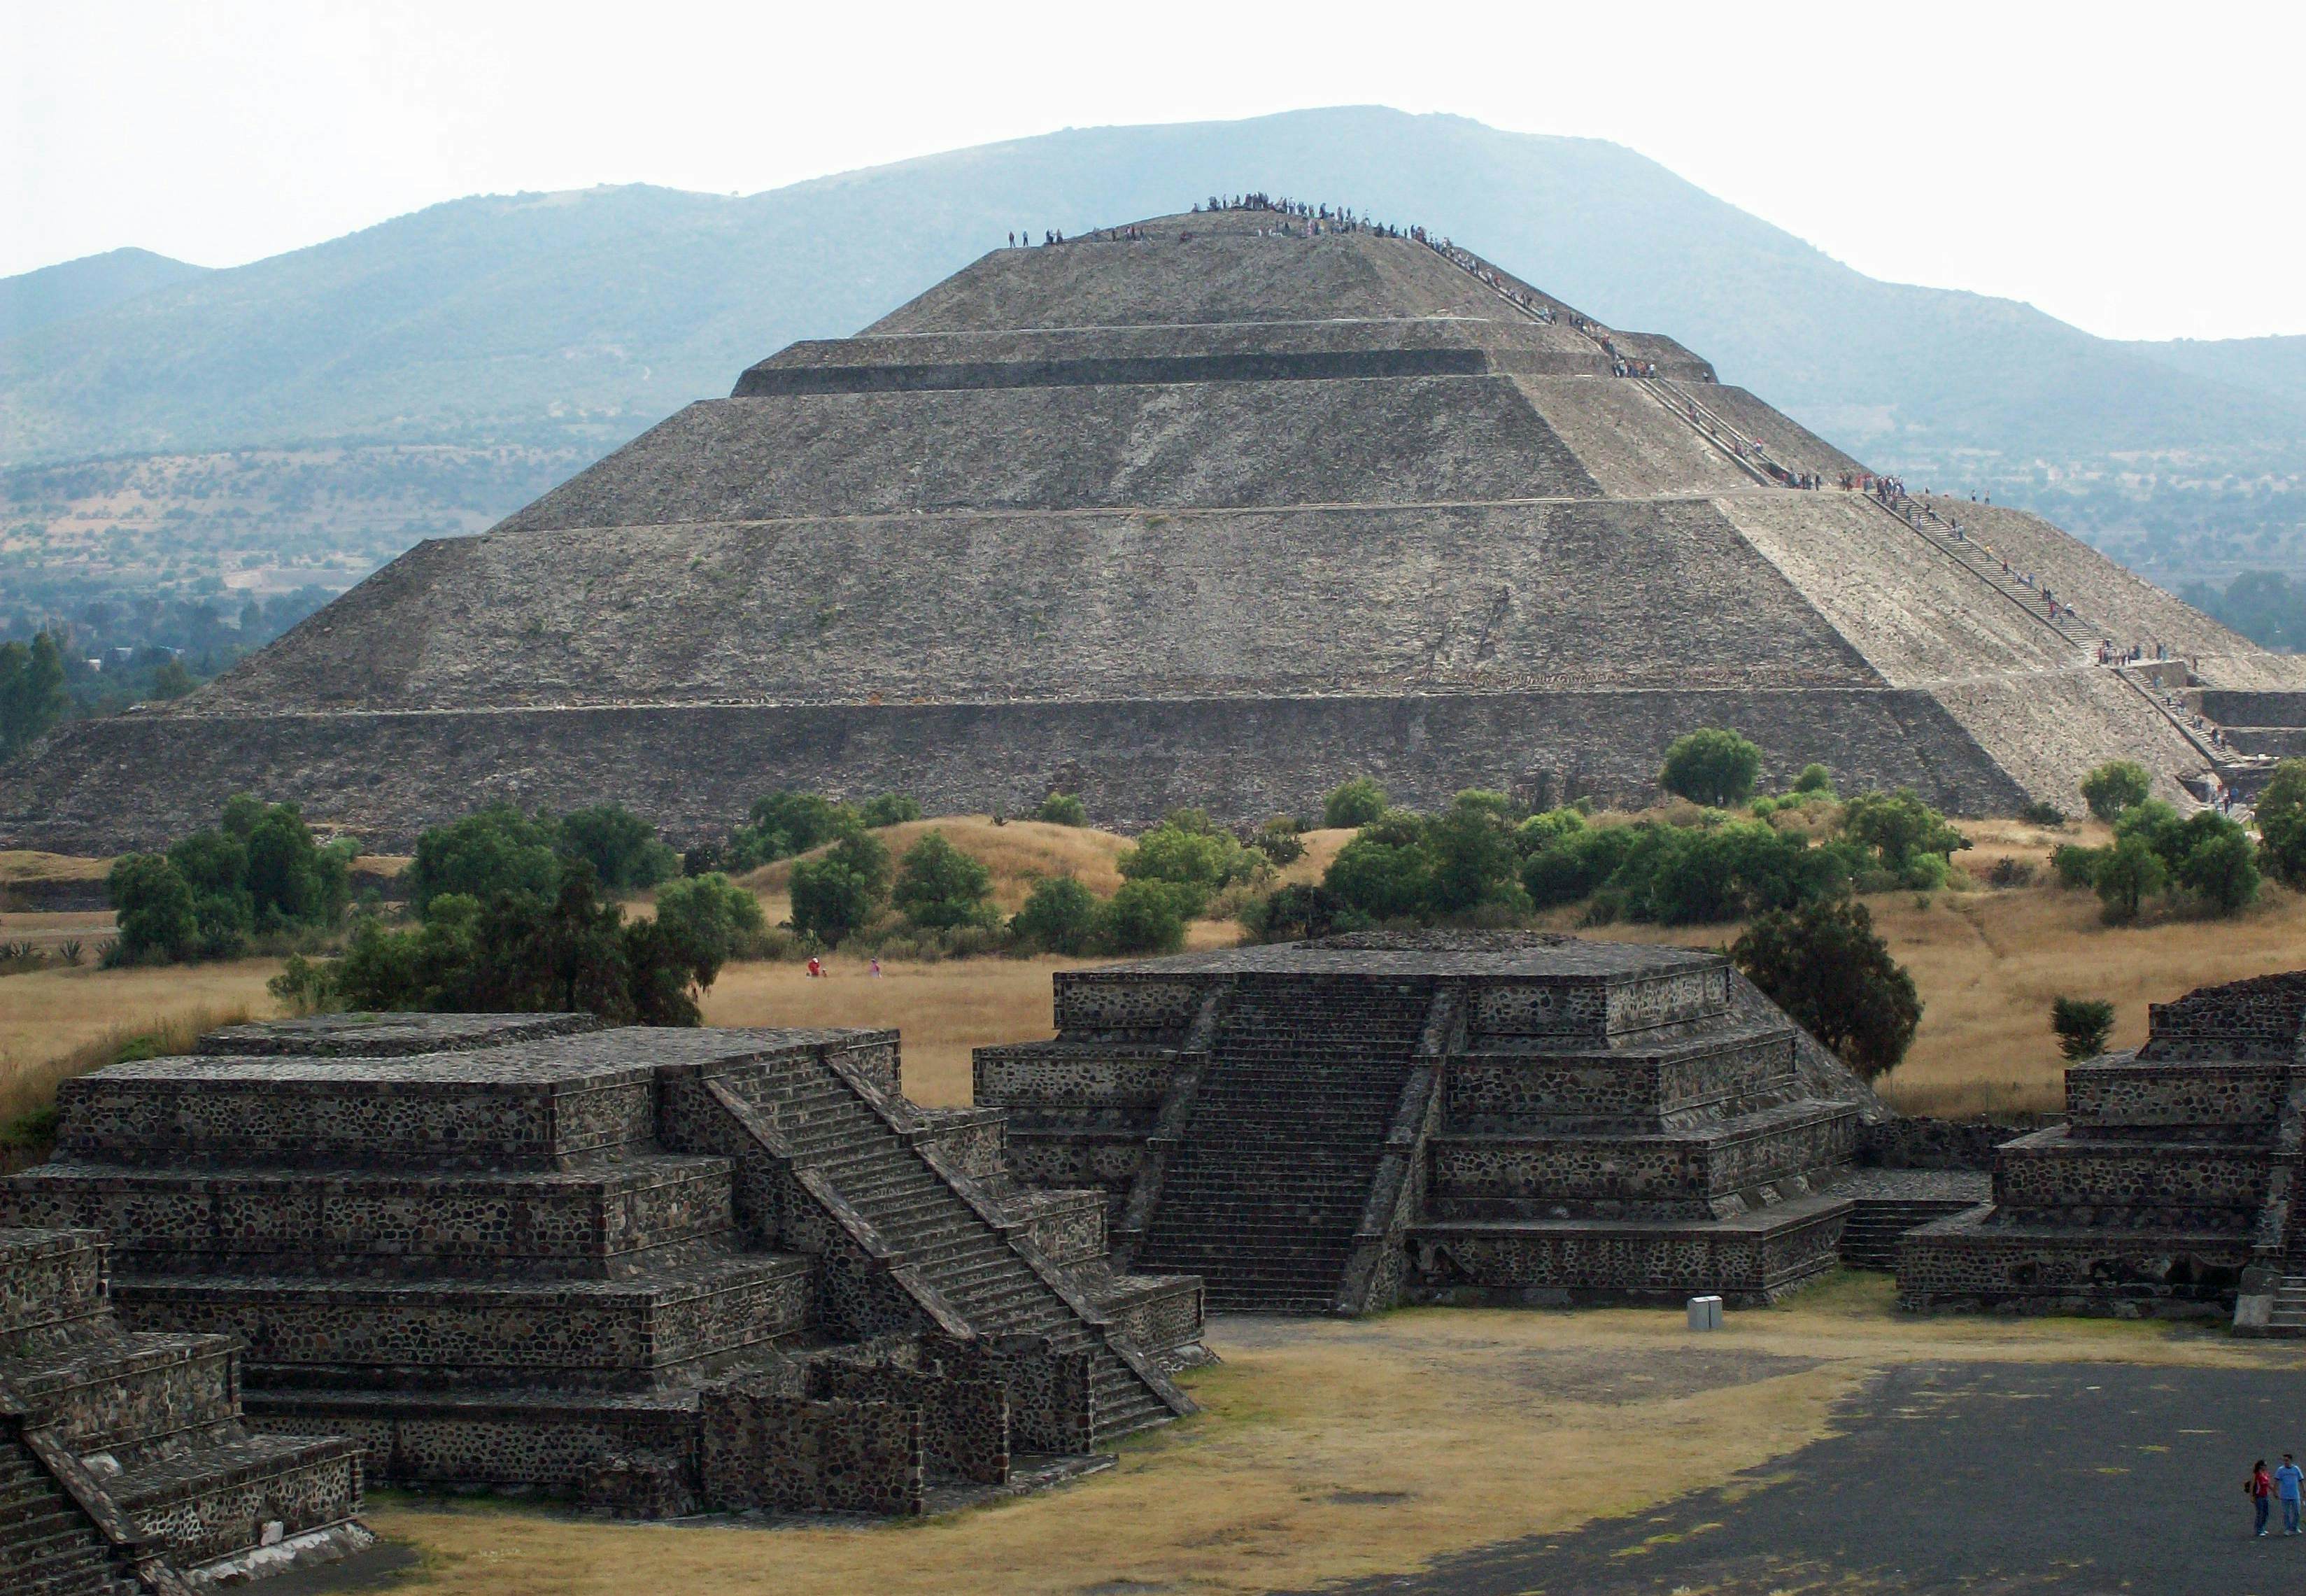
2286, 1481
2260, 1488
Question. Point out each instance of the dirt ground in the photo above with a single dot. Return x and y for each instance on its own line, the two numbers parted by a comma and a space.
1334, 1451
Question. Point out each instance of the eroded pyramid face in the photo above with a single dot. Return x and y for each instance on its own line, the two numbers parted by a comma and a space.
1215, 508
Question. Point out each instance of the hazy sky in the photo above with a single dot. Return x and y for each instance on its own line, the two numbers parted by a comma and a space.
2133, 168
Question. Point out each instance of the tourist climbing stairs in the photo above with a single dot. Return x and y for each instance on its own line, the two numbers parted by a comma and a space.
829, 1125
48, 1546
1271, 1178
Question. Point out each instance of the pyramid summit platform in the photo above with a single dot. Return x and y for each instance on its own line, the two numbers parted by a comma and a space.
1217, 508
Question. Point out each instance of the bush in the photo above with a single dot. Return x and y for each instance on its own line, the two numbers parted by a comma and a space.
2281, 812
1355, 803
1185, 851
1060, 916
1912, 841
890, 808
939, 887
1298, 913
1814, 782
1833, 975
785, 824
1280, 840
2115, 786
1146, 916
838, 895
1712, 767
2221, 870
1474, 861
155, 908
1061, 809
1380, 880
1542, 831
2038, 813
711, 917
2082, 1025
484, 856
2076, 865
2128, 873
621, 846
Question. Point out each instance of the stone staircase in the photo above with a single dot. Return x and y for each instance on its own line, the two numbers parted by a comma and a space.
1268, 1187
48, 1545
1876, 1225
157, 1467
1937, 531
946, 1240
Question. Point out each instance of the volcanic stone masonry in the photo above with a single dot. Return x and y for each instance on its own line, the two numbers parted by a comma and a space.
2169, 1192
1219, 514
1340, 1125
655, 1270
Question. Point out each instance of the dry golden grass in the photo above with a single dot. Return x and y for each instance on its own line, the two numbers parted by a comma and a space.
943, 1010
17, 864
1331, 1451
91, 929
54, 1021
1017, 852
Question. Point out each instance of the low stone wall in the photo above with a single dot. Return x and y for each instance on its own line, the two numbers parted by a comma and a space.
1969, 1262
796, 1455
964, 1424
1049, 1390
1913, 1141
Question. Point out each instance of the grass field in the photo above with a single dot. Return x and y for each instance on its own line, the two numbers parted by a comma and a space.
1987, 961
1331, 1450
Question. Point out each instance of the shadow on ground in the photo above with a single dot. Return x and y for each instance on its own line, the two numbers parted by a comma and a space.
1977, 1478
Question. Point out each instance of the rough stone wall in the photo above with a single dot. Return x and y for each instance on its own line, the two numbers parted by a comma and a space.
796, 1455
1630, 445
964, 1424
1790, 444
2049, 731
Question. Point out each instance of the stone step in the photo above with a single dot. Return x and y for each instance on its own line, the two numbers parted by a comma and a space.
51, 1284
216, 1501
119, 1393
615, 1334
592, 1220
505, 1107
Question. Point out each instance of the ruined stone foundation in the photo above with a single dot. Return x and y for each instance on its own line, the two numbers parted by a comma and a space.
653, 1269
2168, 1190
1340, 1125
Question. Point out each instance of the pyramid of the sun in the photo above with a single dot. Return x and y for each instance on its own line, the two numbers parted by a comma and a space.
1217, 514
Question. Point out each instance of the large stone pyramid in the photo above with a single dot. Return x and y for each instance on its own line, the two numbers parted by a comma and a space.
1219, 508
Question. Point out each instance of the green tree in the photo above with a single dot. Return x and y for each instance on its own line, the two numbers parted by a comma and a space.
32, 696
621, 846
1060, 916
1298, 912
1912, 839
2082, 1025
838, 893
939, 887
1061, 809
1355, 803
1186, 851
2129, 872
1280, 840
2281, 812
1544, 830
2220, 868
292, 881
1381, 880
1824, 965
1474, 863
1814, 782
712, 916
1712, 767
155, 908
785, 824
890, 808
484, 855
2115, 786
1146, 916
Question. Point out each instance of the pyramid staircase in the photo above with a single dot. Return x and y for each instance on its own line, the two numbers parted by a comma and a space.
123, 1456
1269, 1188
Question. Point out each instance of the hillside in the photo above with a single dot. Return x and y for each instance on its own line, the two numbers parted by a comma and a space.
555, 325
93, 283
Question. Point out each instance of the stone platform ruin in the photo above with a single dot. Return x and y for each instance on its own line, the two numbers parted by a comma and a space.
123, 1461
1219, 509
1337, 1126
655, 1270
2168, 1191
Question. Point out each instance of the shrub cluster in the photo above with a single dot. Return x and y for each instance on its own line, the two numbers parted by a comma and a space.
258, 872
785, 824
2205, 857
499, 850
